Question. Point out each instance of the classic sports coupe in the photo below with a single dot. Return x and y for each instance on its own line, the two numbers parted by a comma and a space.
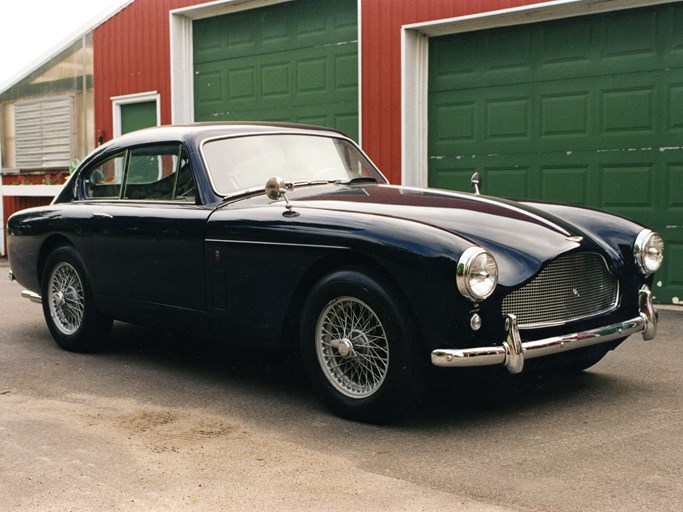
284, 236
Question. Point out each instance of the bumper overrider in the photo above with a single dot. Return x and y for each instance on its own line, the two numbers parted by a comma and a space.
514, 351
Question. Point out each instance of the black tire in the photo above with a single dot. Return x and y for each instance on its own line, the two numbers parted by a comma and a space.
359, 348
69, 305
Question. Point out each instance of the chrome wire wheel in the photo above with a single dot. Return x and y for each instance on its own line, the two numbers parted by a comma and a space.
66, 298
352, 347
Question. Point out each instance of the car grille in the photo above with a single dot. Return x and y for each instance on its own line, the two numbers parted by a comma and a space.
572, 287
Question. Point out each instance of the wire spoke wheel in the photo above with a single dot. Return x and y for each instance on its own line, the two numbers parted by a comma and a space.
66, 298
352, 347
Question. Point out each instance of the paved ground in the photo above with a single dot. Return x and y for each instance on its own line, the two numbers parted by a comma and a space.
163, 423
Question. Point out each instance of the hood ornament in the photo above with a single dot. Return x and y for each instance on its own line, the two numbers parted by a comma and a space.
476, 181
577, 239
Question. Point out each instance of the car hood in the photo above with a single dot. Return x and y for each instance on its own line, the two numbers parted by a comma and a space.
521, 237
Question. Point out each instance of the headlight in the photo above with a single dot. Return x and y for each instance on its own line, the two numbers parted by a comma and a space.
477, 275
648, 251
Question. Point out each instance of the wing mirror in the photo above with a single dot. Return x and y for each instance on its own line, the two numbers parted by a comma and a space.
277, 188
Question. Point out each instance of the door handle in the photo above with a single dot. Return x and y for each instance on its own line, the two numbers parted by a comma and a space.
102, 215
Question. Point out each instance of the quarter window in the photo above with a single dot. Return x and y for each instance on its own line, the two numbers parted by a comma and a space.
104, 180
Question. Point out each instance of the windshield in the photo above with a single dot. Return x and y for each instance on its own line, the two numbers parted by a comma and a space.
241, 163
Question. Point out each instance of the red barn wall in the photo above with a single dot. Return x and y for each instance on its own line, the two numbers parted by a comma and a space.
132, 55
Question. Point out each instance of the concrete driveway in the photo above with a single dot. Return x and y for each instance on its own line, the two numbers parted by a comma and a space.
160, 422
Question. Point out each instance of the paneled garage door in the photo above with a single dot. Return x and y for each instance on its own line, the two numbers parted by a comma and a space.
292, 62
586, 110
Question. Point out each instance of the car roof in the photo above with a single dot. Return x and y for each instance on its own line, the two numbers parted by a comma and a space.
197, 132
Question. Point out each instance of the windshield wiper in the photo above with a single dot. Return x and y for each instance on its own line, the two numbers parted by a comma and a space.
242, 193
357, 179
301, 183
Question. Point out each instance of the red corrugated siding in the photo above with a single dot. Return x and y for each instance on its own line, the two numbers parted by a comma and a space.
381, 22
132, 55
12, 204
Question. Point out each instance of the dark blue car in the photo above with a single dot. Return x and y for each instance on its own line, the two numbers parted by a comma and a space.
282, 236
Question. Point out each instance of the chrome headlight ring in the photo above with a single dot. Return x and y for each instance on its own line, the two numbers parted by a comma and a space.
477, 274
648, 251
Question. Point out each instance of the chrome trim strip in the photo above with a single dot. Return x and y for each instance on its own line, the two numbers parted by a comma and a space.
33, 297
512, 353
283, 244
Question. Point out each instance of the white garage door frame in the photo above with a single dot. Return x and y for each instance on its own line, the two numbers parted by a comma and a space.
182, 88
415, 68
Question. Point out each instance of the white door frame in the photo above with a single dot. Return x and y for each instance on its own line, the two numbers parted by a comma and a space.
127, 99
415, 69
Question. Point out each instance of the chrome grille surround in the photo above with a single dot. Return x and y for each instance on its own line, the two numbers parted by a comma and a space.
572, 287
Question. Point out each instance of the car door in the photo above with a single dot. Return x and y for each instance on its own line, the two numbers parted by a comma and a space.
148, 241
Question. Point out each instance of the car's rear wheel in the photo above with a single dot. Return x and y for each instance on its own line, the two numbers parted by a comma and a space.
68, 303
359, 348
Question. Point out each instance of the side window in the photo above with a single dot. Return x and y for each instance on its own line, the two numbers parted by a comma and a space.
104, 180
152, 173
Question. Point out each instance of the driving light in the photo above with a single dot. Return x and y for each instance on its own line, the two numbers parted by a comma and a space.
477, 274
649, 251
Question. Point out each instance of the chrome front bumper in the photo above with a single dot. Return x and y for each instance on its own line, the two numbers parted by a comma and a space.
514, 351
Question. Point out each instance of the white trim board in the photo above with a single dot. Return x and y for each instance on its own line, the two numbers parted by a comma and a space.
127, 99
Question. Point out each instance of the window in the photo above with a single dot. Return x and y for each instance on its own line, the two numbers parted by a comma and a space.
44, 132
243, 163
104, 180
152, 173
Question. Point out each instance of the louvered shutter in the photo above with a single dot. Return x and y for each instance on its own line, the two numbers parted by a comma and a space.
44, 133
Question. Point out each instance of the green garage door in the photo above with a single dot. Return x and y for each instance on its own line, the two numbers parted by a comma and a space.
292, 62
586, 110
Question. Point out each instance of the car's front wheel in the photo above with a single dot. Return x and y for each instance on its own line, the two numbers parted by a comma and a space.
68, 303
359, 348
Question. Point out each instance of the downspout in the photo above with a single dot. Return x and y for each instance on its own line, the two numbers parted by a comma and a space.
85, 98
2, 197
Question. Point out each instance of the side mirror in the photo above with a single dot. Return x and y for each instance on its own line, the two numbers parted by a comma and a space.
276, 188
476, 181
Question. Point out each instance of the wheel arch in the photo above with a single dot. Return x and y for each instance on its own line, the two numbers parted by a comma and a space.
352, 260
49, 245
